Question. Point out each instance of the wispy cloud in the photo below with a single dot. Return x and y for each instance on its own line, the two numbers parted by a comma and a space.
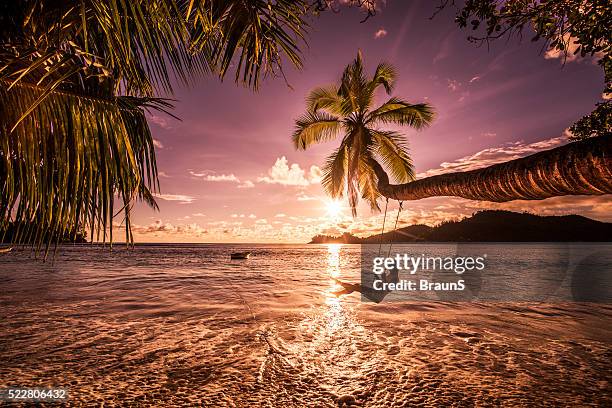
304, 197
284, 174
495, 155
182, 199
157, 143
222, 177
160, 227
474, 79
453, 84
380, 33
208, 175
246, 184
159, 121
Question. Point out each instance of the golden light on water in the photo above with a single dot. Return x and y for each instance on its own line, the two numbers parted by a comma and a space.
334, 314
333, 260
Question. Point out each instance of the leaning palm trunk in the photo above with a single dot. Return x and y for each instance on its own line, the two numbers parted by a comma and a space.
580, 168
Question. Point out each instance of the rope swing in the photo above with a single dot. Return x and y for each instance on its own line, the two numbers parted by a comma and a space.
399, 210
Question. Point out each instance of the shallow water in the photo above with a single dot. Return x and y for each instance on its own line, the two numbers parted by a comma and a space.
182, 325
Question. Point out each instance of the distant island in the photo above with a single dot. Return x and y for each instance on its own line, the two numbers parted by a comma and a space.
491, 226
25, 235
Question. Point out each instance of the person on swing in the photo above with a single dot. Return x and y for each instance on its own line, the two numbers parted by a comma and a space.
391, 276
368, 291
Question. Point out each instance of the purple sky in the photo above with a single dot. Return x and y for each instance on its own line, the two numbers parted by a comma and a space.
229, 172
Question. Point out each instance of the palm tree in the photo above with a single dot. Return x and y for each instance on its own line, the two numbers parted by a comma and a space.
347, 108
76, 78
579, 168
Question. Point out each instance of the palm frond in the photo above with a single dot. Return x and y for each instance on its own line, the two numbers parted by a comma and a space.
392, 149
334, 172
136, 46
249, 36
359, 143
315, 127
353, 87
368, 184
400, 112
327, 99
69, 159
384, 75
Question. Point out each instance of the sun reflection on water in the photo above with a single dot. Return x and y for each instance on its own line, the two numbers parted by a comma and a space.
335, 313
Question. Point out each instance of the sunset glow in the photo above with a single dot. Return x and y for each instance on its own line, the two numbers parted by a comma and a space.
333, 208
228, 180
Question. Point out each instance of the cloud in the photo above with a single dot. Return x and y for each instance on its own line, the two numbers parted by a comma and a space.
489, 134
380, 33
294, 175
199, 215
182, 199
303, 197
453, 85
246, 184
252, 216
164, 228
315, 174
163, 174
222, 177
495, 155
280, 215
474, 79
572, 46
157, 143
208, 175
159, 121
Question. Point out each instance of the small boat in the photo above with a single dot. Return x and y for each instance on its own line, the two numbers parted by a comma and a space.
6, 250
240, 255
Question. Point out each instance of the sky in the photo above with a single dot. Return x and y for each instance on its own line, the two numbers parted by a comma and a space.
229, 172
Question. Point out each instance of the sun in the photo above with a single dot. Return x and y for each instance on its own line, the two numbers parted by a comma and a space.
333, 208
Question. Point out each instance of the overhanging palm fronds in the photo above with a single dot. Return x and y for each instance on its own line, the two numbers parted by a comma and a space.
75, 79
69, 159
347, 107
250, 36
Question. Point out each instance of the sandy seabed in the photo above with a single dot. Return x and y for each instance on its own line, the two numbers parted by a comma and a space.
410, 355
161, 328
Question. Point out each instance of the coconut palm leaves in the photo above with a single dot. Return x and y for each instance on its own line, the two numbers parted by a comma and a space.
76, 78
249, 35
347, 109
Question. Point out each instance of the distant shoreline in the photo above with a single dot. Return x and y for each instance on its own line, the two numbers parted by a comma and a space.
489, 227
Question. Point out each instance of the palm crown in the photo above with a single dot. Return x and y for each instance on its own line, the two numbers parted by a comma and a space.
347, 108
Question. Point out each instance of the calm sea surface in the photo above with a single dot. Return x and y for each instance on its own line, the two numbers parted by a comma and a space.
182, 325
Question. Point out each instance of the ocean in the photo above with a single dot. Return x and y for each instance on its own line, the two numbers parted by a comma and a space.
183, 325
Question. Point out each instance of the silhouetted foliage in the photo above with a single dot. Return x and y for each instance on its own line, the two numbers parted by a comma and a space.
16, 234
597, 123
568, 26
494, 226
